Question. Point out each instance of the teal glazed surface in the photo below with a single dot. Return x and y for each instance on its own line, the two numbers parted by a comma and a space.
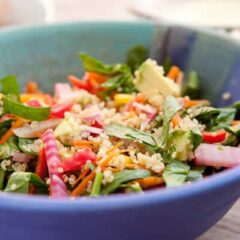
48, 54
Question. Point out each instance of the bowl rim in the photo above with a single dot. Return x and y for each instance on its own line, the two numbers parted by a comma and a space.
118, 201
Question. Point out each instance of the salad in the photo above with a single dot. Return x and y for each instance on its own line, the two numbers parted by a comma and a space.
121, 128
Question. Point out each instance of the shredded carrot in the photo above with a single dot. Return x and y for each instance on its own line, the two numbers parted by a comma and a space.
150, 181
179, 79
109, 157
32, 87
81, 176
140, 98
83, 144
111, 169
82, 186
176, 120
19, 122
174, 73
192, 103
97, 78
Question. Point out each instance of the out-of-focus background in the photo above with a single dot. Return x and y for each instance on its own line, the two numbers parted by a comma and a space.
219, 15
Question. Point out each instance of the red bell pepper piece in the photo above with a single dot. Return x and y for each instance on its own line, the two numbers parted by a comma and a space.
81, 84
58, 110
214, 137
78, 160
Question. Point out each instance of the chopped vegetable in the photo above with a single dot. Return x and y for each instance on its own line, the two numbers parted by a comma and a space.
96, 189
20, 110
10, 87
125, 176
214, 137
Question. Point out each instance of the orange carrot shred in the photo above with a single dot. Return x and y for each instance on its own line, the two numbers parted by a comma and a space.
81, 176
192, 103
176, 120
150, 181
32, 87
19, 122
173, 73
82, 186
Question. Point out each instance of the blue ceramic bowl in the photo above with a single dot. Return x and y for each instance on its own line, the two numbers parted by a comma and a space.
48, 54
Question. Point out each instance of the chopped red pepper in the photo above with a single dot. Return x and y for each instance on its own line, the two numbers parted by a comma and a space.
41, 168
58, 110
214, 137
81, 84
78, 160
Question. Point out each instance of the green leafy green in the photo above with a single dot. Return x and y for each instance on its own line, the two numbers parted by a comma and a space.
224, 119
197, 138
192, 87
121, 78
167, 63
204, 113
20, 110
10, 86
96, 189
175, 173
24, 143
124, 132
196, 174
19, 182
170, 108
8, 148
2, 175
136, 56
125, 176
94, 65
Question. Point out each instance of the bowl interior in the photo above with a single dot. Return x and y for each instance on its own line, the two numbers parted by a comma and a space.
49, 54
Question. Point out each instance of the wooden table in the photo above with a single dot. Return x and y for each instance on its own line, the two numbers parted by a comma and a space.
72, 10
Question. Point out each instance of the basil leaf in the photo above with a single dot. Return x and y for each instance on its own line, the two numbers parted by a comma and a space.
224, 119
192, 87
24, 145
196, 174
10, 86
136, 56
94, 65
170, 108
125, 176
19, 182
124, 132
20, 110
2, 175
175, 173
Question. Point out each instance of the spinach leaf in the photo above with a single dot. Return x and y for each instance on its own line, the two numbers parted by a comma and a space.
94, 65
24, 143
224, 119
19, 182
205, 114
192, 87
124, 132
125, 176
197, 138
8, 148
2, 175
196, 174
136, 56
175, 173
10, 86
170, 108
20, 110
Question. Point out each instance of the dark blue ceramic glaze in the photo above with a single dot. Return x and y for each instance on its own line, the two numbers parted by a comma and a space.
48, 54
